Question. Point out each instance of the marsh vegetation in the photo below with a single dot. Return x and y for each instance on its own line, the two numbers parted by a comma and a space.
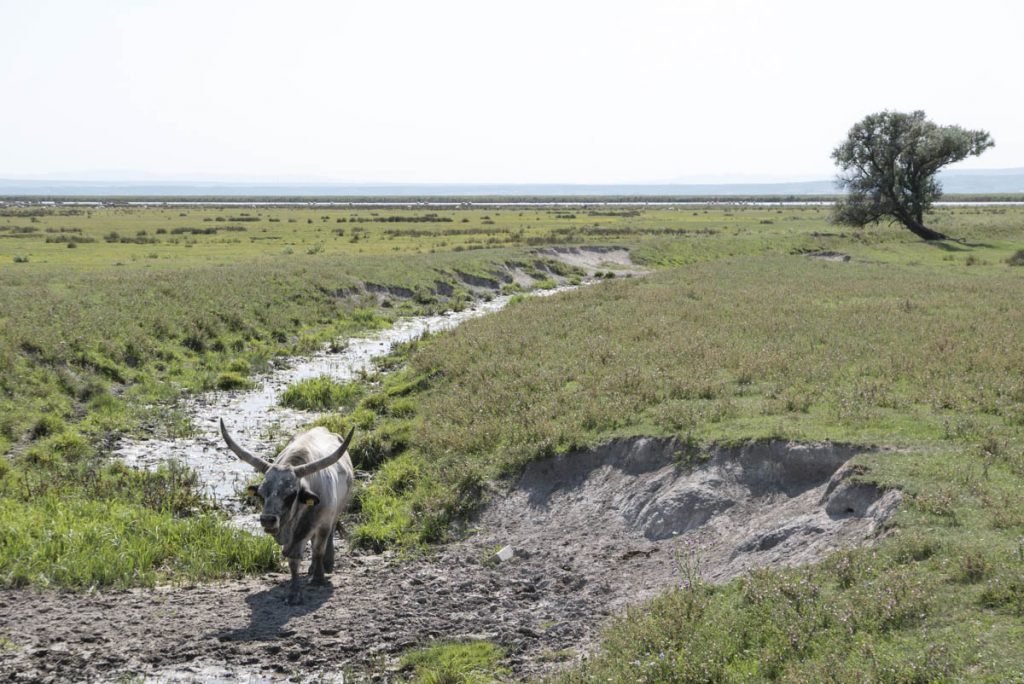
736, 336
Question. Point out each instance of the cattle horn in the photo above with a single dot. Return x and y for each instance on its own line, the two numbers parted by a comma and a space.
310, 468
247, 456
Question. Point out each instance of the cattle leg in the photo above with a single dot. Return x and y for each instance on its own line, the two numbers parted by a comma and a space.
329, 554
295, 590
316, 568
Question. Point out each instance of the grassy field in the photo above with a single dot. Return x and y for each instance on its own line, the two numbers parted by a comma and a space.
909, 345
737, 336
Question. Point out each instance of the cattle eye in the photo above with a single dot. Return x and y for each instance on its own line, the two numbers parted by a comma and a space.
290, 499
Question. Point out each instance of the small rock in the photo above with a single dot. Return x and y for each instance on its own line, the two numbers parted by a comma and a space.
504, 555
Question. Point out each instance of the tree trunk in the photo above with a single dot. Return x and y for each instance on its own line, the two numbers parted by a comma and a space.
922, 231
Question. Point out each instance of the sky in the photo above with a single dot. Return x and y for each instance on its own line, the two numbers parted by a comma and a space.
450, 91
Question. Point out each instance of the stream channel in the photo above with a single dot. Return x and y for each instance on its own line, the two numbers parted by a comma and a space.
258, 421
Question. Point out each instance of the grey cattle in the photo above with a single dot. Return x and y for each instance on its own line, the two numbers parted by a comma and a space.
304, 491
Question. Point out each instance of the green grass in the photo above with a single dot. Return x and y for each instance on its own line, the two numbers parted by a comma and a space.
81, 543
464, 662
98, 340
737, 337
320, 394
70, 519
722, 351
900, 347
829, 623
939, 599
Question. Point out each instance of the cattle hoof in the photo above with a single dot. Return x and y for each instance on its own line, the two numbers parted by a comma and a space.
319, 582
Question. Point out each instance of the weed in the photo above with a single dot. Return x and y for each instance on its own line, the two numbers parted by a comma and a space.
320, 394
1005, 593
973, 567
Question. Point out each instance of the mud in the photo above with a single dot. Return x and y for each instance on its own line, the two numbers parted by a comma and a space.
829, 256
595, 258
592, 533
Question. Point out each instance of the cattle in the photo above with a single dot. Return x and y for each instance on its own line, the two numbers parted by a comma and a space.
304, 491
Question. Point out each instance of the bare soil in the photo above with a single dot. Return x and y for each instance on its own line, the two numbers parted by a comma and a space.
592, 533
595, 258
829, 256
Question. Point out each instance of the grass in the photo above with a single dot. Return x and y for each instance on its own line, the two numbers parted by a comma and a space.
70, 519
98, 340
938, 600
320, 394
81, 543
722, 351
810, 624
886, 349
462, 662
738, 336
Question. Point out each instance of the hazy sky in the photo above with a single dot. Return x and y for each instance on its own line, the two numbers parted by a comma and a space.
477, 91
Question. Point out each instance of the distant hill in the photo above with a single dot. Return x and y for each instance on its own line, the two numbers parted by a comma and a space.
983, 181
998, 181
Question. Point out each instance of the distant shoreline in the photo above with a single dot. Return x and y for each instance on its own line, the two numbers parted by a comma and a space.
454, 202
987, 185
991, 186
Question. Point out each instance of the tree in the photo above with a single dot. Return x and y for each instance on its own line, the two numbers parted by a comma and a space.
888, 165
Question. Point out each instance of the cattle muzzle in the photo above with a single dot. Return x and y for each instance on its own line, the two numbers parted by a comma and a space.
270, 523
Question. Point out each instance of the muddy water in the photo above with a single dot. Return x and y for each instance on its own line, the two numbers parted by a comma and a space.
257, 420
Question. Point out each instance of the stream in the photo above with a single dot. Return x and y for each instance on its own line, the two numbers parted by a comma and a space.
257, 420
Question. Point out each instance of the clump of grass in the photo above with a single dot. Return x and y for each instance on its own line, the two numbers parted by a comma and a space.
546, 284
231, 380
380, 445
1005, 593
321, 394
48, 424
65, 446
461, 662
974, 566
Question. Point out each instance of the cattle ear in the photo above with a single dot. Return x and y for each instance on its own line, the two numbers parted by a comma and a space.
253, 490
308, 498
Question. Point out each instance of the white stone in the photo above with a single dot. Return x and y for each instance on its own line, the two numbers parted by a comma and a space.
505, 554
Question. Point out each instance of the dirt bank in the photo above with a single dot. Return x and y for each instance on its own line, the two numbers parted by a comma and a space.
592, 532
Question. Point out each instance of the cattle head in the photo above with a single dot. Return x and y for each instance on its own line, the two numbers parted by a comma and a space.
287, 497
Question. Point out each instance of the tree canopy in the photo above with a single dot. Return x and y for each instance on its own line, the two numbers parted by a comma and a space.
888, 164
